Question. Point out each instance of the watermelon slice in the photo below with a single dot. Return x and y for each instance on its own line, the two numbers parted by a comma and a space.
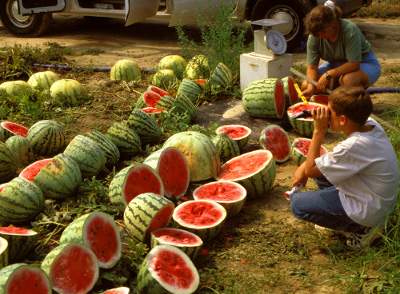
153, 110
21, 241
3, 253
304, 125
120, 290
159, 91
322, 99
291, 96
255, 171
11, 129
186, 241
32, 170
240, 134
20, 278
166, 269
276, 140
173, 169
72, 268
230, 195
204, 218
300, 149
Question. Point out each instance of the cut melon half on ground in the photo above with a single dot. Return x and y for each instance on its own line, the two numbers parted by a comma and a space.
20, 278
204, 218
300, 149
166, 269
11, 129
145, 213
133, 181
158, 90
72, 268
230, 195
255, 171
276, 140
21, 241
186, 241
120, 290
291, 95
99, 232
304, 125
3, 253
240, 134
172, 167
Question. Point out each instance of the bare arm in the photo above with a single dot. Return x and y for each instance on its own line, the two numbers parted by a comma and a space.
312, 72
346, 68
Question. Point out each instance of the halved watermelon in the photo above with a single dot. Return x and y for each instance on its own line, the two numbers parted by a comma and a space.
11, 129
291, 96
303, 126
322, 99
276, 140
204, 218
255, 171
300, 149
230, 195
166, 269
32, 170
120, 290
153, 110
158, 90
21, 241
240, 134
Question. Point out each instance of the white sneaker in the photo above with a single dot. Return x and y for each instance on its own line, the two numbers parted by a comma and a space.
365, 238
330, 232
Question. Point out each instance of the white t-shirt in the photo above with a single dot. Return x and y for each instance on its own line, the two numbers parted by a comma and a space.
364, 169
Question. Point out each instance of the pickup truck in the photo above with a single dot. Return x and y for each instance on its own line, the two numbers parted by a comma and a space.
32, 18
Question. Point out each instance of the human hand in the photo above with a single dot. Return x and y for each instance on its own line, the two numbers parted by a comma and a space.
323, 82
300, 176
321, 117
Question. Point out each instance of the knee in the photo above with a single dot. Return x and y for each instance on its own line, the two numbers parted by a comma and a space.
296, 206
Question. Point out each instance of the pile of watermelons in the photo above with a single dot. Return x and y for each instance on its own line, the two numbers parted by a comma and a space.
146, 193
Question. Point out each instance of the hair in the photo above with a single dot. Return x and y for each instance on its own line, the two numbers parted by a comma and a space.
320, 18
353, 102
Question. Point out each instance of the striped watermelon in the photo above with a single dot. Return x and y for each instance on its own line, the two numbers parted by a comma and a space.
240, 134
190, 89
146, 213
72, 268
165, 103
23, 278
291, 96
184, 240
110, 150
10, 129
21, 241
231, 195
43, 80
198, 68
167, 269
3, 253
199, 151
276, 140
221, 78
58, 177
172, 167
133, 181
227, 148
255, 171
264, 98
120, 290
99, 232
67, 92
204, 218
87, 154
144, 125
300, 148
125, 70
165, 79
20, 201
183, 104
175, 63
21, 148
8, 163
47, 137
304, 125
147, 99
127, 141
16, 88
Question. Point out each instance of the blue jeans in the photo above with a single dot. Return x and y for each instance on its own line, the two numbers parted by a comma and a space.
323, 207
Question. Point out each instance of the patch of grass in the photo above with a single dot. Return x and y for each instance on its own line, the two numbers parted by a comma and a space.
382, 9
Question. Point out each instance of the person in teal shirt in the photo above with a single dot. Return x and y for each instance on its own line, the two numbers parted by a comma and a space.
347, 55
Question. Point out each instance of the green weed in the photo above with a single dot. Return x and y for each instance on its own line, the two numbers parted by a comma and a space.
381, 9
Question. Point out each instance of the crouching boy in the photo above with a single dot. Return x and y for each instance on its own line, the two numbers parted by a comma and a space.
358, 180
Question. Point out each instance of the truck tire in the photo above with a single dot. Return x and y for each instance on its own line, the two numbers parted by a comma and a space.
22, 26
293, 11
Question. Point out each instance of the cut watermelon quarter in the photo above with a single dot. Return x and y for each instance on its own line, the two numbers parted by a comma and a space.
99, 232
291, 96
11, 129
255, 171
300, 149
231, 195
20, 278
167, 269
276, 140
21, 241
240, 134
204, 218
304, 125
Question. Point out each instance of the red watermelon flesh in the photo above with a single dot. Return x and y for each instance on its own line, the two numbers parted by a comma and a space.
159, 91
32, 170
152, 110
221, 191
11, 230
120, 290
151, 98
28, 280
293, 95
161, 219
2, 186
322, 99
200, 213
303, 145
14, 128
279, 99
142, 180
244, 165
234, 131
174, 172
176, 237
276, 140
300, 107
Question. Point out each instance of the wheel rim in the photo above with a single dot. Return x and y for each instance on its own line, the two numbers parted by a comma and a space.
15, 18
291, 28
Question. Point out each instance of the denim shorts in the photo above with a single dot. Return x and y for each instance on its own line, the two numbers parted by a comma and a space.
370, 65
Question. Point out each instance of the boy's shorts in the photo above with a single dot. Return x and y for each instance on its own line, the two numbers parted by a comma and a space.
370, 65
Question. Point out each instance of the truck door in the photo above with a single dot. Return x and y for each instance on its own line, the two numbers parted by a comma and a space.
138, 10
38, 6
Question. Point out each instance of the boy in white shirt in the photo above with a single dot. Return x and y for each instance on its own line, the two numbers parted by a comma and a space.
358, 180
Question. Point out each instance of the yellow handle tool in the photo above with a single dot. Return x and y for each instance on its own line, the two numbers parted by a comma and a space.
299, 92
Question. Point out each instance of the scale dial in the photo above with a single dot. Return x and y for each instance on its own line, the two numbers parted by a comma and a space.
276, 42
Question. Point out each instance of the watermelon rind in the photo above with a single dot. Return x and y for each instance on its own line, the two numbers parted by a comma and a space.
21, 147
8, 163
165, 103
16, 88
198, 68
175, 63
165, 79
191, 249
47, 137
125, 70
21, 272
119, 290
291, 95
297, 156
258, 183
43, 80
21, 243
4, 254
240, 141
190, 89
9, 129
276, 141
110, 150
67, 92
141, 212
226, 146
303, 126
79, 232
144, 125
221, 78
127, 141
63, 265
184, 105
148, 278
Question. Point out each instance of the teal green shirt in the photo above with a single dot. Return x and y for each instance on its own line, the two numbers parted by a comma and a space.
350, 46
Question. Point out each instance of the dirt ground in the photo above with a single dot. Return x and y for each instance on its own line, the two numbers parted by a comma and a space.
149, 41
